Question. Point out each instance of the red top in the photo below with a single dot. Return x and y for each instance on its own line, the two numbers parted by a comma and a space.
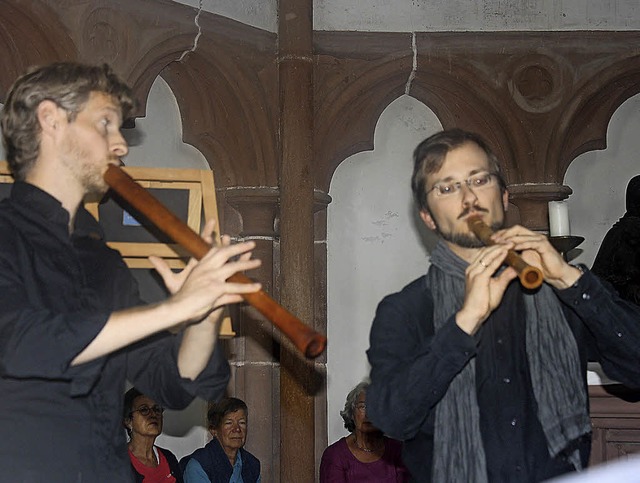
159, 474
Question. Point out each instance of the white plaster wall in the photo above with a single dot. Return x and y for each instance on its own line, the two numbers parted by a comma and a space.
472, 15
157, 140
374, 247
185, 431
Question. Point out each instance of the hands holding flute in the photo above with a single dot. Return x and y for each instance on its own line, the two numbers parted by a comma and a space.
484, 291
202, 287
538, 252
196, 293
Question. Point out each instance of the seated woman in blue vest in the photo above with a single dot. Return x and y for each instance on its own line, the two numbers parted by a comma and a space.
224, 459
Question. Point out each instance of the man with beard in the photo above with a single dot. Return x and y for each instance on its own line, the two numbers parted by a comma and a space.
483, 380
72, 327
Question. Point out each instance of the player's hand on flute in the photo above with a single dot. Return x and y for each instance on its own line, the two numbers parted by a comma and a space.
483, 291
202, 285
538, 252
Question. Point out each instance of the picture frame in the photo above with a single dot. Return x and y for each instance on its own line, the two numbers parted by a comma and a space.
136, 243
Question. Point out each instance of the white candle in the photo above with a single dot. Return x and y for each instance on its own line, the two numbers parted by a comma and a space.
559, 218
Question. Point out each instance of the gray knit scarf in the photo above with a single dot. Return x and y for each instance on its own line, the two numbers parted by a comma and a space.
554, 365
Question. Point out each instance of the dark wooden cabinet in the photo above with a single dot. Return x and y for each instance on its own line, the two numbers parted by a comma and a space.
615, 416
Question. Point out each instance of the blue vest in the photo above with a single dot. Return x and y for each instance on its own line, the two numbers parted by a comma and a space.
216, 465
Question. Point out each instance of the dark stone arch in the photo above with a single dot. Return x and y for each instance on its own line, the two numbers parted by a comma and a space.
458, 95
584, 124
30, 34
350, 95
229, 112
150, 65
462, 97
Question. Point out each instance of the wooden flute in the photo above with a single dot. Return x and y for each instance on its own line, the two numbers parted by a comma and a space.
304, 338
530, 277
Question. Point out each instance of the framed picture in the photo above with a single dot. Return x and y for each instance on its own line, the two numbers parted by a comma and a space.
188, 193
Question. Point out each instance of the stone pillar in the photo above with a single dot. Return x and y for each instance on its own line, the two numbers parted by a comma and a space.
250, 213
297, 376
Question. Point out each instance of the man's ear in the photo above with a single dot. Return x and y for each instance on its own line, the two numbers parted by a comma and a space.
505, 200
49, 116
427, 219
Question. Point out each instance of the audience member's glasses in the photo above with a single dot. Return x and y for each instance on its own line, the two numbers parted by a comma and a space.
146, 410
361, 406
474, 182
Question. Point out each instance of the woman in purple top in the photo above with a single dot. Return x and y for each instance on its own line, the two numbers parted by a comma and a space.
366, 455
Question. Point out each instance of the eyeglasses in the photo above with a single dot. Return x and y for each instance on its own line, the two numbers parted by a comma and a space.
146, 410
477, 181
361, 406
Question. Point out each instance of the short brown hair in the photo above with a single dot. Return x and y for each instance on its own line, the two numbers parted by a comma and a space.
429, 156
69, 85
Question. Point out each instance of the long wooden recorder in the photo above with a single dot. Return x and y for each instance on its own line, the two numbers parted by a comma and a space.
304, 338
530, 277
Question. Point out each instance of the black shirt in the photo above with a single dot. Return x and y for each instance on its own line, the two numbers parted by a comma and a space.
513, 438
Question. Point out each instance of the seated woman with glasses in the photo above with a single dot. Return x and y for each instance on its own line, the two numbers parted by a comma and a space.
366, 455
142, 418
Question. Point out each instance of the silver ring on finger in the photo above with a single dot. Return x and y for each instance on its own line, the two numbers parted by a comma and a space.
481, 262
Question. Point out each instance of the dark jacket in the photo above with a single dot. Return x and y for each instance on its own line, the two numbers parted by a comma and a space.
412, 365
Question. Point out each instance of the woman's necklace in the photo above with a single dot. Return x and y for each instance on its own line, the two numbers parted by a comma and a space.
366, 450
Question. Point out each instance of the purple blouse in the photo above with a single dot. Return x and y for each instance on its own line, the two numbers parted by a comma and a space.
339, 465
